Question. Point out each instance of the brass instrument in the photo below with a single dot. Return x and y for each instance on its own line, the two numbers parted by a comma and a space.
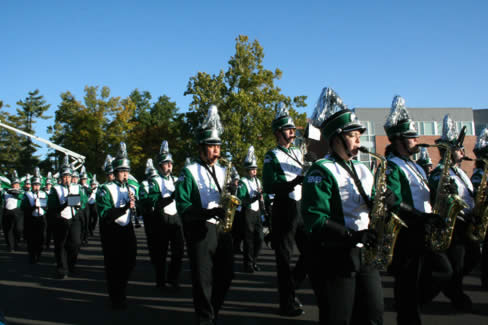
446, 205
477, 231
386, 224
228, 201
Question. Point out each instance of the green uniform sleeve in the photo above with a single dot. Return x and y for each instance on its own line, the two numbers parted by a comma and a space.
398, 184
319, 191
104, 201
187, 197
243, 194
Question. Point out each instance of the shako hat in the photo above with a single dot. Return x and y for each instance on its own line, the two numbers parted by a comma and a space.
49, 178
164, 155
282, 119
424, 158
150, 170
83, 173
65, 167
250, 161
15, 178
333, 117
398, 122
107, 165
36, 179
121, 161
450, 132
481, 147
211, 129
94, 180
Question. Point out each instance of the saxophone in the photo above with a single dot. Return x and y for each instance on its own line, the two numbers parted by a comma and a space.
477, 230
386, 224
227, 201
446, 205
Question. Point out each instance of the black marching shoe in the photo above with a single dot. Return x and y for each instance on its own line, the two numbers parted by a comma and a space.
256, 267
297, 303
292, 311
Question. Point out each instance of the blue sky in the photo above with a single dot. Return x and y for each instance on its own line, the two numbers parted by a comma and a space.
433, 53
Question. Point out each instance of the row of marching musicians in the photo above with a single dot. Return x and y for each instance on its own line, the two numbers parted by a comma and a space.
24, 214
425, 230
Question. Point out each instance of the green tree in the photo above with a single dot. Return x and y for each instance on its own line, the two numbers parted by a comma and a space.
247, 97
88, 128
29, 111
10, 144
154, 123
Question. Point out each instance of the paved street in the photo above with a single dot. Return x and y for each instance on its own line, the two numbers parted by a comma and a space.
30, 295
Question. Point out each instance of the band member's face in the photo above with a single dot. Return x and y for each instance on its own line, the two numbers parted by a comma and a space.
253, 172
36, 187
458, 155
74, 180
27, 186
352, 141
48, 187
16, 186
167, 167
83, 181
66, 179
93, 186
411, 144
211, 153
110, 177
286, 136
122, 176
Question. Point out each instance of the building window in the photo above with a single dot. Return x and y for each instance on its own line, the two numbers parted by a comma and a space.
368, 141
479, 127
426, 127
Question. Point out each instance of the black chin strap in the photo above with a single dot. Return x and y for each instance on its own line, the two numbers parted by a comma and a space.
404, 144
285, 137
346, 149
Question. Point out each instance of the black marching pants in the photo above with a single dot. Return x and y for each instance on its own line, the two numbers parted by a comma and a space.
163, 231
212, 268
345, 297
13, 227
93, 218
67, 242
288, 229
35, 233
119, 256
253, 236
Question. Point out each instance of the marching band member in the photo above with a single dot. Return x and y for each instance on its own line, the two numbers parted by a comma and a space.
116, 203
198, 193
462, 253
481, 152
282, 177
424, 161
409, 183
251, 196
92, 205
65, 204
35, 208
335, 206
13, 219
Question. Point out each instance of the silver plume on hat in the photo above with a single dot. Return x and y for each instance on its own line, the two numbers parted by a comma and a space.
282, 111
49, 175
424, 154
482, 140
37, 172
449, 129
108, 161
327, 105
250, 157
149, 164
164, 148
212, 120
122, 153
398, 112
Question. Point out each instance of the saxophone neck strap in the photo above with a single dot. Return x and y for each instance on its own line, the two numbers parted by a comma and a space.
211, 171
352, 172
292, 157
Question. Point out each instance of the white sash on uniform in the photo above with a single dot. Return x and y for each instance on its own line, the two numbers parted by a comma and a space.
120, 197
291, 168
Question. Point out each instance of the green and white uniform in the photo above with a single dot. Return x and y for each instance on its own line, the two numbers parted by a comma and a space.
330, 193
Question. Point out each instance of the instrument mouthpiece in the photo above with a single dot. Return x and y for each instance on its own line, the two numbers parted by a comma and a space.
424, 145
363, 149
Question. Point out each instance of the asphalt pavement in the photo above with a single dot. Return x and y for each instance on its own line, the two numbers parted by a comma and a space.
30, 294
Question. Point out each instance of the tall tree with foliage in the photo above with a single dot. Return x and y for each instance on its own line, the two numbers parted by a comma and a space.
88, 127
29, 111
10, 144
155, 122
246, 97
